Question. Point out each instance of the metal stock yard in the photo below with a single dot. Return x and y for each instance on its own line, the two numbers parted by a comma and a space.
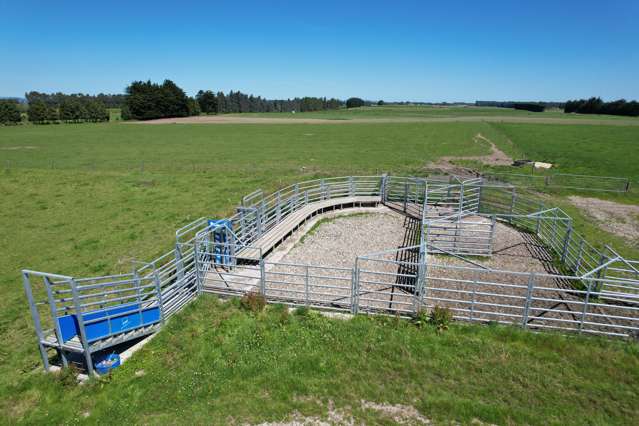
455, 229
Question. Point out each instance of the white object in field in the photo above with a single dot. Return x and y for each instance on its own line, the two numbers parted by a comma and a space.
540, 165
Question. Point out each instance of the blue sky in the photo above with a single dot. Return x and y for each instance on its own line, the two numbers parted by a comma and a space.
392, 50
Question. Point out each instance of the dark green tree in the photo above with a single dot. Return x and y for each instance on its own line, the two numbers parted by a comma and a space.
194, 107
354, 103
9, 113
37, 112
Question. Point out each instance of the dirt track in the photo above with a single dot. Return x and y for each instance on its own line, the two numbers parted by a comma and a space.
234, 119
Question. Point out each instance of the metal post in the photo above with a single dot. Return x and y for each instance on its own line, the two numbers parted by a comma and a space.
242, 213
355, 288
158, 289
258, 221
421, 278
480, 195
54, 318
579, 257
472, 302
382, 188
305, 198
512, 205
179, 264
262, 276
80, 319
461, 201
323, 189
351, 186
493, 224
297, 195
527, 303
35, 315
541, 209
584, 311
601, 273
306, 289
405, 195
196, 265
278, 209
564, 251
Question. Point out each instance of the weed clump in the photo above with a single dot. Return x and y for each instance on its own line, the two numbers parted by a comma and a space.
253, 302
68, 376
441, 318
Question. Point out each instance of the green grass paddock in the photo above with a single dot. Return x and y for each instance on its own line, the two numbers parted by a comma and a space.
85, 199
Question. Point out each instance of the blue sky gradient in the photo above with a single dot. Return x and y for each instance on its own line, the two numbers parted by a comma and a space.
392, 50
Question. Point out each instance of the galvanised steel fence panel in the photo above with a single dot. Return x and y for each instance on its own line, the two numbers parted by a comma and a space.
309, 285
563, 181
457, 218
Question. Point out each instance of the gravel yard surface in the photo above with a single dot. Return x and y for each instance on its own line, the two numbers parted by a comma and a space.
324, 253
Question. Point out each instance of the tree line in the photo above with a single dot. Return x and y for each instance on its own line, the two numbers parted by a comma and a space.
596, 106
238, 102
71, 108
524, 106
146, 100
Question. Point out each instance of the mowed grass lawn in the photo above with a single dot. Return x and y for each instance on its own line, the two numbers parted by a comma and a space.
87, 199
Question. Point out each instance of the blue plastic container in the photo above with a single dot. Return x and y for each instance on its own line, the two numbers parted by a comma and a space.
105, 363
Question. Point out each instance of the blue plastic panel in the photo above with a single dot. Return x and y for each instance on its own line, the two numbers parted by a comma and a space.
124, 318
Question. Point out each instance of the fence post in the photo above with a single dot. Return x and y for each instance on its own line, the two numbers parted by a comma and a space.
355, 288
461, 200
323, 189
80, 319
584, 311
601, 274
405, 195
305, 198
564, 251
513, 197
35, 315
306, 289
529, 291
351, 186
297, 195
196, 265
258, 221
382, 188
158, 289
493, 224
278, 209
577, 264
538, 225
179, 264
262, 276
480, 194
472, 302
627, 185
54, 317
